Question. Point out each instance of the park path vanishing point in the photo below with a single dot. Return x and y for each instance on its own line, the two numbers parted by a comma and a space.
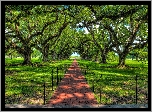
73, 89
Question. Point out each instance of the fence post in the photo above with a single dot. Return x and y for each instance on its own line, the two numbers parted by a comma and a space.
44, 93
85, 72
57, 76
136, 88
93, 82
93, 86
100, 87
87, 67
52, 80
100, 92
65, 68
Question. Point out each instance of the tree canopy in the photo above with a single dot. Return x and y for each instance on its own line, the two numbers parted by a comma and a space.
94, 31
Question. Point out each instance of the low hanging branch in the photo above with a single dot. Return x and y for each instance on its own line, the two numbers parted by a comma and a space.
113, 17
44, 27
139, 45
58, 34
92, 34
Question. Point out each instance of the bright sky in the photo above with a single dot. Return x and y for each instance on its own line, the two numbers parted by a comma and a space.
75, 54
97, 26
85, 29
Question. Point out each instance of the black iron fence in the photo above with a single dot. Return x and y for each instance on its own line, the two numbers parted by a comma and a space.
34, 92
25, 94
136, 85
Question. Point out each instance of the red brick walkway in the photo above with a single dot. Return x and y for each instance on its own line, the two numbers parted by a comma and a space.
73, 89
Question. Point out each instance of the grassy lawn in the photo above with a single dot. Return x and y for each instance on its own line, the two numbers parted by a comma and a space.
117, 86
24, 84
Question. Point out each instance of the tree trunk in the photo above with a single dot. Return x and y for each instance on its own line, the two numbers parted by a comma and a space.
95, 59
132, 57
45, 57
104, 59
54, 56
96, 56
11, 56
122, 58
27, 58
45, 54
104, 56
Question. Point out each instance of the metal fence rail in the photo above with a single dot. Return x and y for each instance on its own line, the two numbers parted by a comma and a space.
30, 92
40, 93
135, 78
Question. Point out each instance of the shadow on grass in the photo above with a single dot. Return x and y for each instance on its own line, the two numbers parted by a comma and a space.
73, 90
24, 84
26, 91
118, 86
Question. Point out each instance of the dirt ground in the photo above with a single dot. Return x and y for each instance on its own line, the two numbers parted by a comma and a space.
77, 106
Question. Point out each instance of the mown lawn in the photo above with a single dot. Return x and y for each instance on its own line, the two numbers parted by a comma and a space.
117, 86
25, 84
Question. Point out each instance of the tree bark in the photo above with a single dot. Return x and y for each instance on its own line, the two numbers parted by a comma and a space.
11, 56
104, 59
45, 57
27, 58
132, 57
45, 53
104, 55
96, 56
122, 58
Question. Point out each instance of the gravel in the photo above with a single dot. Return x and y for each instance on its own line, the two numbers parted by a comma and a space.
76, 106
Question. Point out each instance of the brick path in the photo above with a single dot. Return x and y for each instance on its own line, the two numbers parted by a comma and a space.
73, 89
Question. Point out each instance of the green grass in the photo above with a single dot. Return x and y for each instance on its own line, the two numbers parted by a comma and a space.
75, 57
117, 85
24, 84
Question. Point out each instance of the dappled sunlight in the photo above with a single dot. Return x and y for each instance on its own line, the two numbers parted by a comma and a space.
12, 92
107, 88
73, 89
65, 87
30, 79
79, 94
117, 85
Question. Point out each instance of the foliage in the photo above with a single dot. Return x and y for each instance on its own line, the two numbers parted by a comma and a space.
117, 85
39, 35
24, 84
58, 30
